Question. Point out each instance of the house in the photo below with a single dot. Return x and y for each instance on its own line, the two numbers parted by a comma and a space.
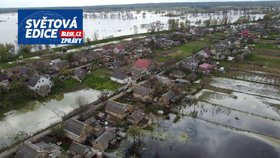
103, 142
136, 117
25, 71
80, 58
4, 80
168, 97
116, 109
192, 77
59, 64
77, 130
40, 84
177, 74
38, 150
231, 58
143, 64
28, 150
190, 63
143, 93
119, 48
77, 149
79, 74
245, 33
97, 128
205, 53
120, 77
108, 48
206, 68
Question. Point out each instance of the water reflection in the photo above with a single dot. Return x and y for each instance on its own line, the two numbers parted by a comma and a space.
206, 141
38, 116
236, 119
247, 103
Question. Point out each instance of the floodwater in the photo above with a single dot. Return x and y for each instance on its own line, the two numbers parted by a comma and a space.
235, 119
259, 89
243, 121
38, 116
260, 106
205, 140
114, 24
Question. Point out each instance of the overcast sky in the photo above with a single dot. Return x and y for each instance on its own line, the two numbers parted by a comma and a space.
57, 3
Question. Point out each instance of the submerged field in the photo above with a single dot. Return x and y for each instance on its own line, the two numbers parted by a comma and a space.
237, 115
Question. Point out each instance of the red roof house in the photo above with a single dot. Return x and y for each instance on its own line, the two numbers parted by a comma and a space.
119, 48
245, 33
206, 66
143, 64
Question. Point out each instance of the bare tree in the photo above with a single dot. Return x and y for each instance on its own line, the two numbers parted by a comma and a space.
82, 103
135, 28
95, 36
103, 97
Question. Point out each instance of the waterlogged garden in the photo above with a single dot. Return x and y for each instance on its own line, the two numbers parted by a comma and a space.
227, 118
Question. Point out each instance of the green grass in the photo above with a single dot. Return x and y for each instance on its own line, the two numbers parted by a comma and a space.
266, 45
66, 86
269, 61
187, 49
7, 65
99, 79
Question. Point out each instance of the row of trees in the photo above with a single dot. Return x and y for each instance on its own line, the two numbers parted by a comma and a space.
8, 50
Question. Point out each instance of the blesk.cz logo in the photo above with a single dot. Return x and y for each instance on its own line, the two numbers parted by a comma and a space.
50, 26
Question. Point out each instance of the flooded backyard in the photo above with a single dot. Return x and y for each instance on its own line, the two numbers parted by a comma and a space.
38, 116
243, 120
206, 140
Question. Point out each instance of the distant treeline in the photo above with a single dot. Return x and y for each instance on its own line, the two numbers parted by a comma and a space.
167, 6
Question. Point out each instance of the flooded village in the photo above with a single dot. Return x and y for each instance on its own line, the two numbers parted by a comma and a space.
180, 89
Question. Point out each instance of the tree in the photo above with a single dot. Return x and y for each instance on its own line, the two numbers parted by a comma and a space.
182, 26
82, 103
24, 49
88, 40
187, 23
3, 52
225, 21
152, 27
207, 22
267, 18
134, 132
103, 97
95, 36
58, 131
173, 24
135, 29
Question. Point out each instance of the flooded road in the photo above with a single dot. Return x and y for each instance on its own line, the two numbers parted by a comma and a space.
38, 116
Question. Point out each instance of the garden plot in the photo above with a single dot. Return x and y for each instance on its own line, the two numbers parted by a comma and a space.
261, 106
259, 89
232, 118
259, 77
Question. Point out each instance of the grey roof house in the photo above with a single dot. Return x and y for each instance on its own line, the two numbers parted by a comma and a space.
142, 92
38, 150
136, 117
116, 109
40, 84
77, 130
120, 77
77, 149
102, 143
